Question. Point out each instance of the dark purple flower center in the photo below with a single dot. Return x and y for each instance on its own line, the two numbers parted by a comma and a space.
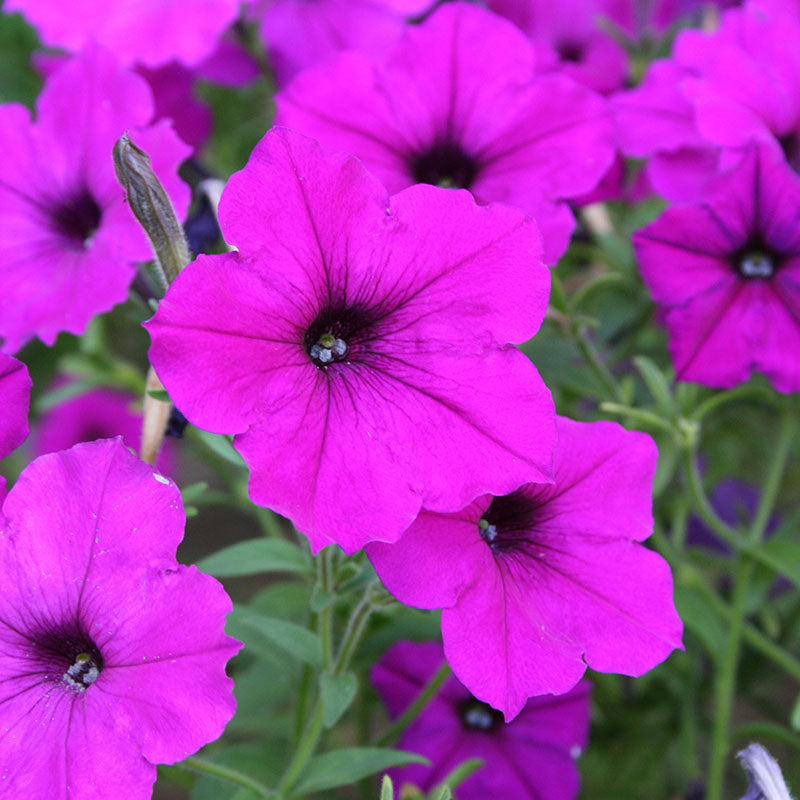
755, 260
77, 219
790, 143
335, 332
68, 656
478, 716
570, 51
445, 164
507, 523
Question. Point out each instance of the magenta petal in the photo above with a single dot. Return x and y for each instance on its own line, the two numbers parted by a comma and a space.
351, 447
15, 393
444, 551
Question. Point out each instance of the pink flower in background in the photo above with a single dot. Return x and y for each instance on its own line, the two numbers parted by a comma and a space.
97, 414
458, 103
70, 243
113, 656
137, 31
719, 90
359, 346
303, 33
726, 273
532, 758
574, 36
15, 396
537, 584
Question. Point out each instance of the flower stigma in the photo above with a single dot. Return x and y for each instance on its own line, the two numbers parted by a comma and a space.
478, 716
488, 531
83, 672
328, 348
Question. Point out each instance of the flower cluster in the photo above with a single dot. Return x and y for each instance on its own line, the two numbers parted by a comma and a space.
362, 332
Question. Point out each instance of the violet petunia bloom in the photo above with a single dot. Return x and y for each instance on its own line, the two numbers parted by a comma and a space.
300, 34
531, 758
137, 31
113, 656
70, 242
100, 413
537, 584
15, 398
358, 346
575, 37
726, 274
458, 102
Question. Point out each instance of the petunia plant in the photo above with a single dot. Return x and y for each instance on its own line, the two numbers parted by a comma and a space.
397, 400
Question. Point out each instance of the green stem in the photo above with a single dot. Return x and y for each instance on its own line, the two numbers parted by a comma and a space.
591, 357
725, 686
701, 503
772, 484
311, 735
325, 620
766, 730
427, 693
225, 774
751, 635
721, 398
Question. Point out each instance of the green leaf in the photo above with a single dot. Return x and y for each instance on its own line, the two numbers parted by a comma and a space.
794, 719
255, 556
320, 599
700, 619
220, 445
442, 793
337, 693
293, 639
387, 788
159, 394
351, 764
457, 776
656, 384
784, 557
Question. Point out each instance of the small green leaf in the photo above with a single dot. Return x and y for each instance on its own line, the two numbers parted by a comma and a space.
255, 556
293, 639
456, 777
159, 394
700, 619
351, 764
220, 445
794, 719
656, 384
193, 491
387, 788
337, 693
442, 793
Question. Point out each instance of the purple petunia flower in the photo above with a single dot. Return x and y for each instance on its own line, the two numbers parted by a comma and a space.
531, 758
536, 584
70, 243
458, 103
100, 413
15, 396
358, 346
727, 275
113, 656
303, 33
137, 31
575, 36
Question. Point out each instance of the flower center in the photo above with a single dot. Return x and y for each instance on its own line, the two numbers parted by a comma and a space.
445, 164
507, 524
67, 655
756, 264
478, 716
327, 348
77, 219
337, 332
570, 51
83, 672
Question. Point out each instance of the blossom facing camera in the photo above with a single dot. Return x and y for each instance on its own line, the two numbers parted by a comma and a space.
458, 102
726, 274
531, 758
359, 347
113, 656
70, 242
537, 584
